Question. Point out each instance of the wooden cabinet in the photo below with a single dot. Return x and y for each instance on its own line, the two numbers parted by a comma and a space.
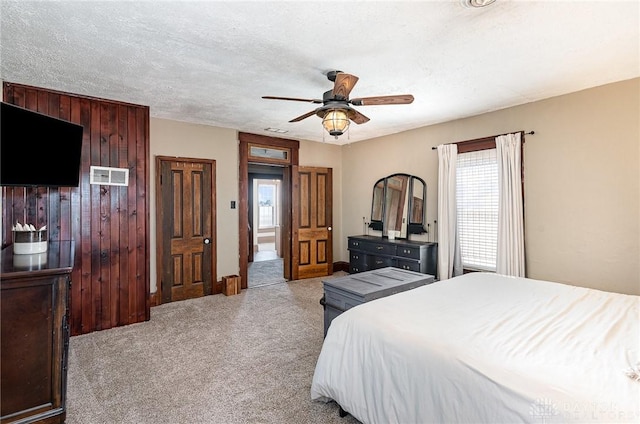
341, 294
370, 252
34, 337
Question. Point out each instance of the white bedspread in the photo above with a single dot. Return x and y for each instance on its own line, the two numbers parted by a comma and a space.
485, 348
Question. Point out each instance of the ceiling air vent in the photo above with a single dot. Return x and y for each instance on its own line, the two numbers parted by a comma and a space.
109, 176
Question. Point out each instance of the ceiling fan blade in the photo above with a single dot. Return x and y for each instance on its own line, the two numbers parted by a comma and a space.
301, 117
293, 98
401, 99
344, 84
357, 117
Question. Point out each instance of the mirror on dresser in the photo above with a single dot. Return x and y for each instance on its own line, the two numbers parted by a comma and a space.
398, 204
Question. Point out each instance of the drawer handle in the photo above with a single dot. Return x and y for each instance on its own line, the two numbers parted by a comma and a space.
356, 257
378, 262
379, 247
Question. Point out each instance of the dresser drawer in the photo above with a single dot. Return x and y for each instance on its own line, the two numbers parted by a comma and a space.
356, 244
358, 262
355, 268
409, 252
409, 265
379, 248
376, 262
357, 258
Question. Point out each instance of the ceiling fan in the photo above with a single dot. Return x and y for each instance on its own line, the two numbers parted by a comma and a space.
336, 111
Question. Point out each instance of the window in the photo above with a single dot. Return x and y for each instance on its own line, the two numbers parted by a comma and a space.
267, 202
477, 203
269, 154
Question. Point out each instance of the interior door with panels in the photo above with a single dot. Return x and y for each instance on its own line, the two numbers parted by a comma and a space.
186, 225
313, 233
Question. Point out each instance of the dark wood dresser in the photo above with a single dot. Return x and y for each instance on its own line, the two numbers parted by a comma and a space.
34, 338
371, 252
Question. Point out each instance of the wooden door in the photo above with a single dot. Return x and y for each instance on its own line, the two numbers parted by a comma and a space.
312, 235
186, 221
286, 224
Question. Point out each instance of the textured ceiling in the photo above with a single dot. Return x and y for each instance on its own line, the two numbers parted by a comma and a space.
210, 62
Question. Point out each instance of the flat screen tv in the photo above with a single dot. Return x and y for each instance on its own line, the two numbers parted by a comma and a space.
38, 150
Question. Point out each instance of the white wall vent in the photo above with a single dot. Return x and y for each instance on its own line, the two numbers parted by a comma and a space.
109, 176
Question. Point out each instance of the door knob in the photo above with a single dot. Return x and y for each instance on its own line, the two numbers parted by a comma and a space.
329, 228
207, 240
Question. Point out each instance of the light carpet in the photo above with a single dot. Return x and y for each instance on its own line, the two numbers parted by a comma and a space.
247, 358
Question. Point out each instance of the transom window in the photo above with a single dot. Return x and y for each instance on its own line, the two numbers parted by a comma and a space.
269, 154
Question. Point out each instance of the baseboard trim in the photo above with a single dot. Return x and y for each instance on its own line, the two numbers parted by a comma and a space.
154, 299
341, 266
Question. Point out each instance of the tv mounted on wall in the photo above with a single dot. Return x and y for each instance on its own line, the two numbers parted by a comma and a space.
38, 150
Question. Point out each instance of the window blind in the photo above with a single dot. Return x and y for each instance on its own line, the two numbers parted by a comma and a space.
477, 202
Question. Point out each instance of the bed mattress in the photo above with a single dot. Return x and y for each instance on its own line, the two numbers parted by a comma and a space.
485, 348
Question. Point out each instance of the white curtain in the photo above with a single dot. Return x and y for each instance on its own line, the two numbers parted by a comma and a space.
449, 260
510, 253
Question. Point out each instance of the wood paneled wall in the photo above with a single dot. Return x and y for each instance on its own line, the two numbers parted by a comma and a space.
110, 224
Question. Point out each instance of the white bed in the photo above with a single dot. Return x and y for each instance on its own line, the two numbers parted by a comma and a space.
485, 348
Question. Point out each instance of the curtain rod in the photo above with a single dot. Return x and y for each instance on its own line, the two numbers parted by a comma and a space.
529, 133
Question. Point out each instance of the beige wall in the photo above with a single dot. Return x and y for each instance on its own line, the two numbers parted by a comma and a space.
582, 181
172, 138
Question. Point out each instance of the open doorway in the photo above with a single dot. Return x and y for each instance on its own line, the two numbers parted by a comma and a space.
277, 153
266, 264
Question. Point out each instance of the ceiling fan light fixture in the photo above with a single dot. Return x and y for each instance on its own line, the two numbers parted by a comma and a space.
335, 112
477, 3
336, 122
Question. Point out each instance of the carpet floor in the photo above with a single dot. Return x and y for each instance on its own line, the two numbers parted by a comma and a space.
247, 358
